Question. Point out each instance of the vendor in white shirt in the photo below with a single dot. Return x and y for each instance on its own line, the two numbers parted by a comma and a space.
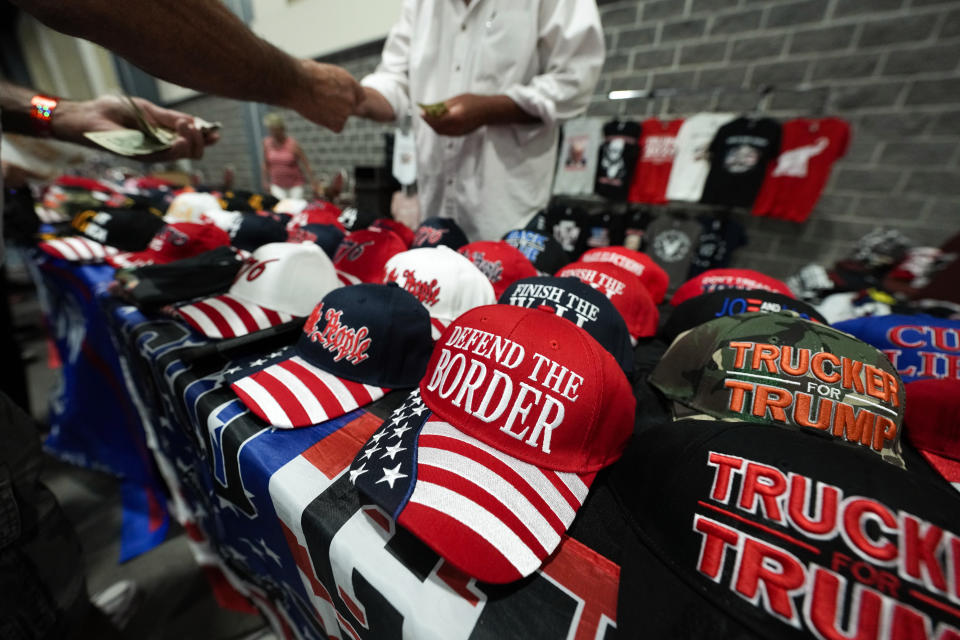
509, 71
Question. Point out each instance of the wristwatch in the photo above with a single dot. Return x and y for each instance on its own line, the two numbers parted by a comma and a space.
41, 114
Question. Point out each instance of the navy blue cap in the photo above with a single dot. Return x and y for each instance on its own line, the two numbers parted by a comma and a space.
582, 305
436, 231
544, 252
255, 231
325, 236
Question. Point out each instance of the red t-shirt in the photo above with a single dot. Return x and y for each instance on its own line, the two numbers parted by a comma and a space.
658, 146
794, 181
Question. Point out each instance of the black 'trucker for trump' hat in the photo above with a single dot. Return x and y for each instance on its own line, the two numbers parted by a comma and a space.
747, 532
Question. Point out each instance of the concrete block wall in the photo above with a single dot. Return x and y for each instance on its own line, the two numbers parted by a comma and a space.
890, 67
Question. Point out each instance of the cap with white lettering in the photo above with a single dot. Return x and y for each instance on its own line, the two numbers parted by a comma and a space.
280, 281
445, 282
358, 343
582, 305
363, 255
720, 279
624, 290
489, 461
652, 275
746, 532
778, 369
174, 242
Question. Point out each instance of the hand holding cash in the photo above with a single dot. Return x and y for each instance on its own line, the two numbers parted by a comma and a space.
113, 129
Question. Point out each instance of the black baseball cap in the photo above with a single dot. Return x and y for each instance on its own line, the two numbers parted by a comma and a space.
729, 302
252, 231
544, 252
124, 229
436, 231
742, 532
326, 236
582, 305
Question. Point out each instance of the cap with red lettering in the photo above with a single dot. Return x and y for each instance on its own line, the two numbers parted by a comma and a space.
719, 279
729, 302
582, 305
174, 242
932, 425
389, 224
778, 369
500, 262
740, 531
280, 281
363, 255
357, 344
436, 231
652, 275
445, 282
624, 290
490, 459
320, 212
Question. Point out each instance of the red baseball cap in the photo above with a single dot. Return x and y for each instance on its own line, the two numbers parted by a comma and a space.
625, 291
932, 424
316, 213
501, 262
389, 224
490, 459
652, 275
719, 279
363, 255
173, 242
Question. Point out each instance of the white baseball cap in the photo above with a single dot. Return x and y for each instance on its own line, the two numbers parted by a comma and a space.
190, 207
444, 281
281, 281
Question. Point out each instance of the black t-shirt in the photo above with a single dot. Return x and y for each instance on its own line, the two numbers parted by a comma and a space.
720, 238
672, 242
618, 158
569, 225
739, 155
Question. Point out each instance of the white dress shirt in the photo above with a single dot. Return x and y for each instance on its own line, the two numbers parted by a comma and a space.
545, 55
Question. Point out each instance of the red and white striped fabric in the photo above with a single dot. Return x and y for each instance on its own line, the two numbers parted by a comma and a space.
437, 326
227, 316
77, 249
294, 393
347, 279
469, 492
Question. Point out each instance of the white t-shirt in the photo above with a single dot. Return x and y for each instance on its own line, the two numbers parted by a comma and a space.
691, 164
577, 162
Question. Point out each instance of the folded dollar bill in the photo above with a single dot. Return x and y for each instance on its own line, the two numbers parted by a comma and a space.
434, 110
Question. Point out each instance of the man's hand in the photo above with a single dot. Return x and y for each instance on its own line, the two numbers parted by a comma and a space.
469, 111
106, 113
326, 94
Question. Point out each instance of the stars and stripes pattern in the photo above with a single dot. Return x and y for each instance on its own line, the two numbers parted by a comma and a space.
347, 278
226, 316
493, 516
294, 393
437, 326
76, 249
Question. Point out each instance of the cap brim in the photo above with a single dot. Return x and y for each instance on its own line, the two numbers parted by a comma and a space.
135, 259
226, 316
75, 249
489, 514
294, 393
948, 468
347, 278
437, 327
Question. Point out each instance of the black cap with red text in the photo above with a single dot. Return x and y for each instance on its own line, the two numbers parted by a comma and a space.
741, 531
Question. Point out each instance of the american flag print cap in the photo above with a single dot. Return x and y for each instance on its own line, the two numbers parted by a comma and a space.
490, 459
357, 344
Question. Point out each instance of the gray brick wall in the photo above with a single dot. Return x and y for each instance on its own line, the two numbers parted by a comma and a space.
890, 67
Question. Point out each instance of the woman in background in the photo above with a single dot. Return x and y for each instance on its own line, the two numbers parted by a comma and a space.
282, 162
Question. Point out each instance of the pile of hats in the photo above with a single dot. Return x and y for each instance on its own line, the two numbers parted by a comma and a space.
758, 473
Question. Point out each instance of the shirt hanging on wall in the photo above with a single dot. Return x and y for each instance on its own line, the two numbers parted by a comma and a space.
720, 237
658, 146
569, 225
691, 162
795, 180
672, 242
577, 161
739, 155
618, 159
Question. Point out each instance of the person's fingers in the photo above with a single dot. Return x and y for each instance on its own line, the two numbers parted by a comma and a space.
186, 130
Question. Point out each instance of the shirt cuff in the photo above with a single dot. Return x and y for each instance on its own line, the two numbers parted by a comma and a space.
534, 103
393, 91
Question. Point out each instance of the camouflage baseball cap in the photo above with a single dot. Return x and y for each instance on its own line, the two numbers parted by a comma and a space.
778, 369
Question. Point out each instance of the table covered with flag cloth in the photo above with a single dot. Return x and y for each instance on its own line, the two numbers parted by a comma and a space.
274, 519
94, 422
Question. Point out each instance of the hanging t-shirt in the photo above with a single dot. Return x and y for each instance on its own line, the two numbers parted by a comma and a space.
739, 155
720, 237
577, 161
618, 159
691, 164
672, 242
569, 225
658, 146
807, 153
